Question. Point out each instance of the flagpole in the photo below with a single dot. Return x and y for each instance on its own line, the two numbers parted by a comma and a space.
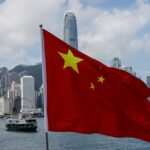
44, 88
46, 138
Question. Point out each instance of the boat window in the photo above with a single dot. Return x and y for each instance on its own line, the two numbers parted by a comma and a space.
32, 120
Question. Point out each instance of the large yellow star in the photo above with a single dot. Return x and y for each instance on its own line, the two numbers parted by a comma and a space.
70, 60
101, 79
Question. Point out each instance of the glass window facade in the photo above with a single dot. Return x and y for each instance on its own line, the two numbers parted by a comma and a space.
70, 30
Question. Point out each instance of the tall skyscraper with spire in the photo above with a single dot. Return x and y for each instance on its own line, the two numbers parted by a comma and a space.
70, 30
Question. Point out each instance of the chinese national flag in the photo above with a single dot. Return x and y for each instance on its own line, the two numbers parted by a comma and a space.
83, 95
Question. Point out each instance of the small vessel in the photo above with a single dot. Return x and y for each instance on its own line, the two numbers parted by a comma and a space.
1, 116
21, 124
37, 113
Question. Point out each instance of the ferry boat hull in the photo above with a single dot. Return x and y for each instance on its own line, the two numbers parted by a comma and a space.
21, 127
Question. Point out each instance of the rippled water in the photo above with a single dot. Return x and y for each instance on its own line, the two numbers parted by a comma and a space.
65, 141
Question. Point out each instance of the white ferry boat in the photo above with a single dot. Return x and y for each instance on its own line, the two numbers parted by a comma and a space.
21, 124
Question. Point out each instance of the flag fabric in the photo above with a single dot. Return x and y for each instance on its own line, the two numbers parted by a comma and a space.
85, 96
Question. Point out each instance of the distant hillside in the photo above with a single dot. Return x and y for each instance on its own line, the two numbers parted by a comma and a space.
33, 70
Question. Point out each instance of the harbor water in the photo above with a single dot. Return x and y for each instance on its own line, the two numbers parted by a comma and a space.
10, 140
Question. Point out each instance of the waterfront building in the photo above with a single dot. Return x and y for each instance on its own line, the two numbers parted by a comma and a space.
148, 80
27, 93
5, 106
4, 77
4, 81
116, 62
14, 77
15, 89
70, 30
14, 93
40, 100
36, 98
127, 69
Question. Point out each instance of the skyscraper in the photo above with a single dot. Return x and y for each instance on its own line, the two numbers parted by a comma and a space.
70, 30
148, 80
14, 92
27, 93
4, 81
116, 62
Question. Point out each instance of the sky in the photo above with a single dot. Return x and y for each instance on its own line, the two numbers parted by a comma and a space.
106, 29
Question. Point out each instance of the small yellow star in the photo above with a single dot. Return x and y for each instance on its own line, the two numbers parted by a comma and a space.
70, 60
101, 79
92, 86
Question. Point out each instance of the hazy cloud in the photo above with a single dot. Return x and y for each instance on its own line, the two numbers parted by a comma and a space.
19, 27
102, 33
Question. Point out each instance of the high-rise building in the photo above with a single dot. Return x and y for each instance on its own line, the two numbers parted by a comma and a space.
14, 93
14, 77
127, 69
4, 81
116, 62
148, 81
27, 93
70, 30
40, 101
5, 106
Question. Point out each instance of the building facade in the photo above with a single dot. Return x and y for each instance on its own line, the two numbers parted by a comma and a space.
5, 106
148, 81
4, 81
40, 100
70, 30
116, 62
14, 77
14, 93
27, 93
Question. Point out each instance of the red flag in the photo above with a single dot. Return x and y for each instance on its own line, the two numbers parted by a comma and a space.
86, 96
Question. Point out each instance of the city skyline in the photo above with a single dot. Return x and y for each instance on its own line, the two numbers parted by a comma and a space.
105, 30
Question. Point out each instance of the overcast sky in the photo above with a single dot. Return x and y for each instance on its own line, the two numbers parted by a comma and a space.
106, 29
